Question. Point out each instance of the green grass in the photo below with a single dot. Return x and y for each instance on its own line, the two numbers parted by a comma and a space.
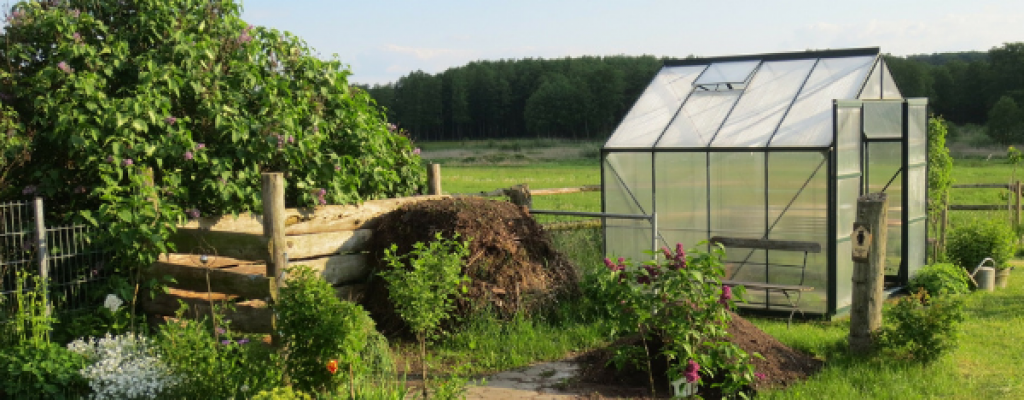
988, 365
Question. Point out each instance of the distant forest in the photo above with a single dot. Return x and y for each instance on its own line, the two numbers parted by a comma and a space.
585, 97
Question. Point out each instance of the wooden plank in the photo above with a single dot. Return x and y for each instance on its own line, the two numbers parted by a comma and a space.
243, 246
273, 224
302, 221
434, 179
192, 277
339, 269
560, 226
868, 271
981, 186
327, 243
768, 244
769, 286
976, 207
548, 192
251, 316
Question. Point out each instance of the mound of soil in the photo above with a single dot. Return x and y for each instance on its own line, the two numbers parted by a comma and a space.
781, 365
512, 264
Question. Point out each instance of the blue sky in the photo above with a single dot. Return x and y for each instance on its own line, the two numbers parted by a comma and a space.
384, 39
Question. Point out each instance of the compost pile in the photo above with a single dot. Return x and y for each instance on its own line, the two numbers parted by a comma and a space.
512, 264
781, 365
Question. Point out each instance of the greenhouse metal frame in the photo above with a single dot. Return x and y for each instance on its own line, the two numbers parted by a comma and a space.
771, 147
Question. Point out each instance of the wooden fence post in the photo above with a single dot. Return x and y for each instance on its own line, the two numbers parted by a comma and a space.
945, 221
869, 237
273, 227
42, 250
1016, 196
434, 179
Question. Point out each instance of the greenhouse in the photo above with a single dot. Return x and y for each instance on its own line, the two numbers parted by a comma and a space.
767, 154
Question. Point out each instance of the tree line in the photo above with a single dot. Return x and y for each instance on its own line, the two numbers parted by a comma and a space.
586, 97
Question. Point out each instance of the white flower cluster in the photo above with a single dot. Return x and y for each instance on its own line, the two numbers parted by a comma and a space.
112, 302
123, 367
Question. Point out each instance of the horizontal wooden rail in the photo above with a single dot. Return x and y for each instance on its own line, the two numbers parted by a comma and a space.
982, 186
977, 207
535, 192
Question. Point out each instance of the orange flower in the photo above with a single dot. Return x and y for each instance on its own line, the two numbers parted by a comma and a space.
332, 366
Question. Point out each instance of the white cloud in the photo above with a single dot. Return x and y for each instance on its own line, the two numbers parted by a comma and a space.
950, 32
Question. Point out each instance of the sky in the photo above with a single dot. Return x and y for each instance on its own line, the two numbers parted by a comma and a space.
382, 40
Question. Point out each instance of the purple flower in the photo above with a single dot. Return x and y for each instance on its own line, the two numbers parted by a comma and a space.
291, 139
30, 189
110, 159
244, 38
243, 341
188, 155
200, 146
321, 192
225, 342
77, 36
692, 368
220, 331
192, 213
170, 120
759, 376
337, 168
126, 162
608, 263
643, 280
416, 151
15, 17
392, 127
726, 296
63, 66
652, 271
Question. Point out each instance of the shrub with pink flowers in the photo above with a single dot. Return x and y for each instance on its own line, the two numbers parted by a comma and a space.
680, 303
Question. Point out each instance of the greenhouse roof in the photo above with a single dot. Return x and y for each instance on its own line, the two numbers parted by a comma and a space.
765, 100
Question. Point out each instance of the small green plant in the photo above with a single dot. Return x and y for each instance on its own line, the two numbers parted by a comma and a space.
31, 366
943, 278
423, 289
322, 334
682, 303
976, 240
214, 364
922, 328
123, 367
281, 393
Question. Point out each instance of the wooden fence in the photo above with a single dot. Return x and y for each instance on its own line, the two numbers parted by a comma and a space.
1013, 207
248, 254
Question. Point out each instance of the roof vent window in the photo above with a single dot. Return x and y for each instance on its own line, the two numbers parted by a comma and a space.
724, 76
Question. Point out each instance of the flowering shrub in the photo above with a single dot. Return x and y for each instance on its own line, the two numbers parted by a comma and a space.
322, 333
123, 367
134, 111
681, 302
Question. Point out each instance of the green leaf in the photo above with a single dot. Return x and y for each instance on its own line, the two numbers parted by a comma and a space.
140, 125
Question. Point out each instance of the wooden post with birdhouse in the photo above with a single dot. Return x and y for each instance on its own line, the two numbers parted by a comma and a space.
868, 238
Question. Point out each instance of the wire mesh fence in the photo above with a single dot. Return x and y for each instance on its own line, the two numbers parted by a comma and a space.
66, 255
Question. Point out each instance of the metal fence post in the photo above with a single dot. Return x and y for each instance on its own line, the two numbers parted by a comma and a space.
42, 250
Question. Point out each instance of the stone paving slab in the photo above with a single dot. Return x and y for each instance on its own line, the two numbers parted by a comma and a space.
540, 381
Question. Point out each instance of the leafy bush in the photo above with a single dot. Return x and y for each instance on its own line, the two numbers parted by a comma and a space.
41, 371
281, 393
941, 278
137, 111
681, 302
976, 240
922, 328
322, 334
423, 291
123, 367
211, 365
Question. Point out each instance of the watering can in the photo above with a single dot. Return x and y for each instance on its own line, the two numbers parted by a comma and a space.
986, 279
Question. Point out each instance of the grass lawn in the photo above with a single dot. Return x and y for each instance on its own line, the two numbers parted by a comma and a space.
988, 365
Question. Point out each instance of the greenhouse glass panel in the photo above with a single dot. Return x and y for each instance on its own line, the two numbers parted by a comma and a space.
916, 253
737, 194
681, 182
655, 108
873, 86
889, 89
916, 192
809, 121
630, 178
883, 166
917, 128
844, 273
764, 103
727, 72
883, 119
699, 119
797, 198
848, 139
